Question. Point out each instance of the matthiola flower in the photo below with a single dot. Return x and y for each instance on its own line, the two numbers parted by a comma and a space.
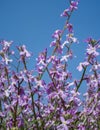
53, 43
62, 94
49, 99
71, 39
73, 5
6, 44
92, 50
81, 65
41, 60
65, 13
74, 98
64, 44
92, 81
91, 41
66, 57
5, 58
9, 123
59, 49
2, 114
40, 83
81, 126
40, 69
88, 40
70, 84
63, 126
23, 101
57, 41
53, 95
57, 34
7, 93
23, 51
69, 27
58, 46
90, 111
20, 122
96, 66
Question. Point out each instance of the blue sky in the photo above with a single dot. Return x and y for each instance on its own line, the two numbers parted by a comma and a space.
32, 22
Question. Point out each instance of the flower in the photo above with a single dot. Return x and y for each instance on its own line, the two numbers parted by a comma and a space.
81, 65
96, 66
69, 27
56, 34
63, 126
65, 58
88, 40
23, 52
65, 13
6, 45
71, 39
73, 5
7, 60
53, 43
92, 50
2, 114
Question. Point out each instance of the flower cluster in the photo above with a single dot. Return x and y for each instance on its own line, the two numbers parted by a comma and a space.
48, 97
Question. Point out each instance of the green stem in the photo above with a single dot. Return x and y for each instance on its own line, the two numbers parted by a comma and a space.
32, 95
15, 114
81, 80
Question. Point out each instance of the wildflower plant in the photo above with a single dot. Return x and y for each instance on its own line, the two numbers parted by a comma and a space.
29, 102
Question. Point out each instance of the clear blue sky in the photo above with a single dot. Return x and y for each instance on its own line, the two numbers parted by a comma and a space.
32, 22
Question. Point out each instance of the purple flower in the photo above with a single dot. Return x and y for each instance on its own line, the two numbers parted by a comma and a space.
65, 13
71, 39
20, 122
6, 60
96, 67
81, 65
57, 34
81, 126
92, 50
24, 52
69, 27
2, 114
6, 45
63, 126
28, 101
73, 5
40, 83
53, 43
88, 40
9, 123
92, 41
